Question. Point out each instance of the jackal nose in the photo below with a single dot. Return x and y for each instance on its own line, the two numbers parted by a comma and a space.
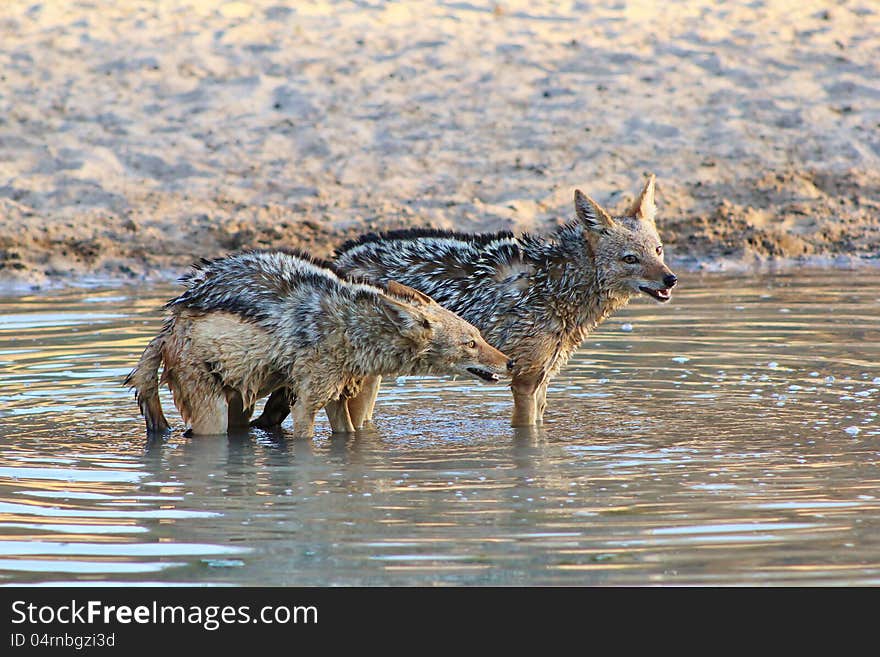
510, 364
670, 279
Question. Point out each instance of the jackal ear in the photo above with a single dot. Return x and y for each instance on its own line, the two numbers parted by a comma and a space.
410, 294
591, 214
409, 321
643, 207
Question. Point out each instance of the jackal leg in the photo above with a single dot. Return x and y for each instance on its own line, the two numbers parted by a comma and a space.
303, 411
210, 416
525, 403
198, 397
239, 416
541, 401
277, 408
338, 414
360, 407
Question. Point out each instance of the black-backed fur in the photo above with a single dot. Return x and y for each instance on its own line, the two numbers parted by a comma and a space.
256, 301
416, 233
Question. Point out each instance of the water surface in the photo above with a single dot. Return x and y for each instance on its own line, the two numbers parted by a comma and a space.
730, 437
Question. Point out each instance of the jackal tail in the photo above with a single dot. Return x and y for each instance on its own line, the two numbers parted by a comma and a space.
144, 379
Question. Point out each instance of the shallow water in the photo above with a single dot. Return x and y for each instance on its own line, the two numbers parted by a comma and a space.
730, 437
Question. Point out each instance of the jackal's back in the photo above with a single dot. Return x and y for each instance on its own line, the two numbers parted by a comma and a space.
443, 264
516, 289
281, 290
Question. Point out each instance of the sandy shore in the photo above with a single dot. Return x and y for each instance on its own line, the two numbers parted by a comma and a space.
137, 136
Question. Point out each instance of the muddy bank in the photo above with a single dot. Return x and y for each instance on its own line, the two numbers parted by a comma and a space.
135, 138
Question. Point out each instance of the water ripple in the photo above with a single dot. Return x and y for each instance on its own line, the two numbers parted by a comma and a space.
727, 438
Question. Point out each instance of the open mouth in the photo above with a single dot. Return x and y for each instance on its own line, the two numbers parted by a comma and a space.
486, 375
660, 295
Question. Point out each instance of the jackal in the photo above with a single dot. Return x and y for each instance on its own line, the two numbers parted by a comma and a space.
534, 297
259, 321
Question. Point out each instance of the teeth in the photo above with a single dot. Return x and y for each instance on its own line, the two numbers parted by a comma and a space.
661, 294
486, 375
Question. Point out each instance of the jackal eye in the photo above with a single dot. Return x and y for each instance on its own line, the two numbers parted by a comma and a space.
630, 260
659, 250
472, 344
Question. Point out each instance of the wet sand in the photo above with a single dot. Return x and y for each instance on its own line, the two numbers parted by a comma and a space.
136, 137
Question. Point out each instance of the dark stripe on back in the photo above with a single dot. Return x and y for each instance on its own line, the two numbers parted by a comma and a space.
204, 263
235, 283
479, 239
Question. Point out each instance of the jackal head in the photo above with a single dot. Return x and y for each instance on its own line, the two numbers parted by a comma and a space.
450, 344
627, 250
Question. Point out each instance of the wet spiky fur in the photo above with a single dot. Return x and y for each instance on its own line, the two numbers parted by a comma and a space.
259, 321
534, 297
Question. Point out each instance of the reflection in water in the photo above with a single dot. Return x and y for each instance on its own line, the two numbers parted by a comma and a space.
731, 437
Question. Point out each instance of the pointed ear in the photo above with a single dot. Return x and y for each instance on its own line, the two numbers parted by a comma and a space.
643, 207
410, 294
407, 319
591, 214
